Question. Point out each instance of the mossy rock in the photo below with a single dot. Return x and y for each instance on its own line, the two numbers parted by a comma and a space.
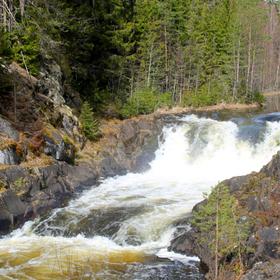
3, 186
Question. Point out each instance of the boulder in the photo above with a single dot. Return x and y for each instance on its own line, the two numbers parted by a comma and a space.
7, 130
9, 156
263, 271
58, 147
12, 210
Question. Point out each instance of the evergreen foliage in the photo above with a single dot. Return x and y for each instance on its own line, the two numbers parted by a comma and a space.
144, 102
221, 226
26, 48
90, 125
173, 52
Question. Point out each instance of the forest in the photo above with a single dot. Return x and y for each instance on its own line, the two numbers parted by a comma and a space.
131, 57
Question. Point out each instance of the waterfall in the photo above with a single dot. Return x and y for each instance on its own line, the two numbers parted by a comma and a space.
131, 219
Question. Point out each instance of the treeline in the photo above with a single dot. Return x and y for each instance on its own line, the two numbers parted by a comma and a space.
140, 55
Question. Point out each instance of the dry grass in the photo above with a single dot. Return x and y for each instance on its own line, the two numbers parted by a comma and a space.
6, 143
41, 161
213, 108
89, 152
4, 166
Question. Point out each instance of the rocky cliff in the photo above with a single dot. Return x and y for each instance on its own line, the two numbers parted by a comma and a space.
258, 198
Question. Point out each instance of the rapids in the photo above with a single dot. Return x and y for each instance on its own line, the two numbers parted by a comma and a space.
121, 228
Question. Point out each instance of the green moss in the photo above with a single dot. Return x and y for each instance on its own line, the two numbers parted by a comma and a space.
3, 186
52, 133
18, 185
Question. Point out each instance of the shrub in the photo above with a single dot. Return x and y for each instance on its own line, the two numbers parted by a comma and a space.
145, 101
165, 100
208, 94
25, 48
259, 98
5, 44
90, 125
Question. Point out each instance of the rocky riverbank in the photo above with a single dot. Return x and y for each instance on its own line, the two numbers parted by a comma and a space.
28, 191
258, 199
44, 157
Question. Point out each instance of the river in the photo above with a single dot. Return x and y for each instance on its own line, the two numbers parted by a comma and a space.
121, 229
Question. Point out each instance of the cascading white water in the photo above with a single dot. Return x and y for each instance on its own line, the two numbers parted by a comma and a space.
130, 218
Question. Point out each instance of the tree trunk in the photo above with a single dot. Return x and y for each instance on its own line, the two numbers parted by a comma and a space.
166, 59
237, 70
217, 236
4, 15
15, 100
197, 81
277, 74
132, 83
249, 60
252, 71
150, 66
239, 242
22, 7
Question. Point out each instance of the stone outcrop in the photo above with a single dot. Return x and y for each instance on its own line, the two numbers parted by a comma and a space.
26, 192
8, 156
8, 130
258, 196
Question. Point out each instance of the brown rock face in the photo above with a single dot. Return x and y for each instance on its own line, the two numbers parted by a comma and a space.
126, 146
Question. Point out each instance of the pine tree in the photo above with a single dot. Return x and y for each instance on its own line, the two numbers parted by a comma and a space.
90, 125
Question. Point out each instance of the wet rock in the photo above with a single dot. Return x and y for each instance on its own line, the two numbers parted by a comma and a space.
268, 243
109, 167
9, 156
58, 148
258, 197
83, 175
128, 132
15, 173
236, 183
183, 243
12, 210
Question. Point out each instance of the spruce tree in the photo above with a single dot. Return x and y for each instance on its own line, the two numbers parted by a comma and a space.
90, 125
